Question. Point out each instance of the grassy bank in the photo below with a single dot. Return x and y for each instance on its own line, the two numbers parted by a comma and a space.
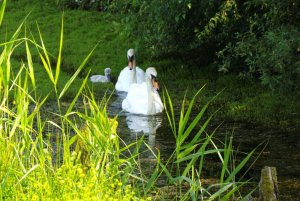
239, 99
82, 32
242, 99
72, 154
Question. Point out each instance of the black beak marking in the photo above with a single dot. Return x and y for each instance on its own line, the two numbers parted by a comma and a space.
131, 58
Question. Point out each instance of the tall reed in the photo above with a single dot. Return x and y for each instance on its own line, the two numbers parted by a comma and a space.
76, 154
193, 144
64, 155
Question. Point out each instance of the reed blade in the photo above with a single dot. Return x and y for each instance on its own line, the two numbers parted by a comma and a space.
71, 80
45, 57
30, 64
227, 152
2, 10
239, 167
77, 95
57, 71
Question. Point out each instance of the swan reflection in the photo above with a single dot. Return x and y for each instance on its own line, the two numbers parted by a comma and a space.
144, 125
133, 126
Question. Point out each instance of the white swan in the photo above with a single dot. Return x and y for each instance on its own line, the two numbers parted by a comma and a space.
102, 78
130, 74
143, 98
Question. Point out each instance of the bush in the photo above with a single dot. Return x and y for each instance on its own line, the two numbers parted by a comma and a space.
99, 5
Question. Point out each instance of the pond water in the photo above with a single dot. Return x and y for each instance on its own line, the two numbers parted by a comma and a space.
282, 150
154, 128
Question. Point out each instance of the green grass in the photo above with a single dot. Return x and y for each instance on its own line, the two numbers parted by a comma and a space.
76, 155
240, 100
82, 31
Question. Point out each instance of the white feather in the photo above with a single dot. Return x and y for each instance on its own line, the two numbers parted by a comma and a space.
101, 78
142, 98
129, 76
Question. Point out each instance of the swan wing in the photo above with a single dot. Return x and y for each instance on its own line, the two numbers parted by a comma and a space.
159, 106
136, 100
98, 78
140, 75
124, 80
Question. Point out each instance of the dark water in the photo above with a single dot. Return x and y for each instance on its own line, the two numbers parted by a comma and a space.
153, 128
279, 149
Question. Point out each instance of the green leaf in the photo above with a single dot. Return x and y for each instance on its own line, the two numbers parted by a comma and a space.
77, 94
235, 188
30, 64
227, 152
57, 71
7, 52
199, 153
183, 121
45, 57
70, 81
154, 176
187, 151
2, 10
169, 111
239, 167
219, 192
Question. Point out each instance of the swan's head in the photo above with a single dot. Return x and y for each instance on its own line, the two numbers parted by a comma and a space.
131, 58
107, 72
151, 74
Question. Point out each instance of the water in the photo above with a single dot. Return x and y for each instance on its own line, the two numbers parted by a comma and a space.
282, 150
134, 126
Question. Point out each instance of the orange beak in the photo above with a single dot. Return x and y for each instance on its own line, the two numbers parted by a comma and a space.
155, 85
130, 64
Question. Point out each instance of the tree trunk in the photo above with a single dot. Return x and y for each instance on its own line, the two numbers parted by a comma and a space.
268, 188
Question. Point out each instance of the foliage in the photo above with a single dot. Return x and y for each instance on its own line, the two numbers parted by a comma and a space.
42, 155
76, 154
82, 30
272, 57
267, 45
236, 35
193, 145
99, 5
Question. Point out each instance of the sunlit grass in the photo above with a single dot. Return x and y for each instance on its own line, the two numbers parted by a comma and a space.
72, 154
193, 145
79, 39
78, 158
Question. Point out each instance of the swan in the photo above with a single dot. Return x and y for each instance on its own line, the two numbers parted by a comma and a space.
143, 98
102, 78
130, 74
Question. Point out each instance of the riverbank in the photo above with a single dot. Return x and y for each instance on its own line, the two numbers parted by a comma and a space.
242, 99
92, 162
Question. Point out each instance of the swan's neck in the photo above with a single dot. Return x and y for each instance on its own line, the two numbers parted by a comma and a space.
107, 77
133, 73
151, 106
